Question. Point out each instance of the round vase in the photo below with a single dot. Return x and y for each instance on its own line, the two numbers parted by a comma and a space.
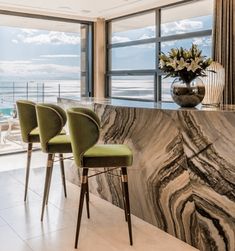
187, 94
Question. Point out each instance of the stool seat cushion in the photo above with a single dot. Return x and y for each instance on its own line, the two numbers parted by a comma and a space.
108, 155
34, 135
59, 144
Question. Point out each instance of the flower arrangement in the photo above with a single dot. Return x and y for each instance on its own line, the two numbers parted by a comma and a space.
185, 64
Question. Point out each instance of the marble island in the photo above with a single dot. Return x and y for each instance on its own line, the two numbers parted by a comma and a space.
183, 176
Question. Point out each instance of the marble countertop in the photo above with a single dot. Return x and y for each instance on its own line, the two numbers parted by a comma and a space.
149, 105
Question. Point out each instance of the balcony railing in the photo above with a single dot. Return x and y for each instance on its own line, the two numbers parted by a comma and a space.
47, 91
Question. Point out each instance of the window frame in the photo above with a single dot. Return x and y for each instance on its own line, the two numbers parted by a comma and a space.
158, 39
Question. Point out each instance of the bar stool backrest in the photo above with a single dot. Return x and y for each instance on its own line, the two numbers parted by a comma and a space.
51, 120
84, 129
27, 118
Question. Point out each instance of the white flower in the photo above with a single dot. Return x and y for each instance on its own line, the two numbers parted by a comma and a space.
162, 63
193, 66
172, 63
181, 64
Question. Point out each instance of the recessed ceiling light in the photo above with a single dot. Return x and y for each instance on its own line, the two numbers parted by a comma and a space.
85, 11
64, 7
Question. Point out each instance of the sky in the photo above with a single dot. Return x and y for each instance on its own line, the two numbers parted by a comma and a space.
30, 54
143, 56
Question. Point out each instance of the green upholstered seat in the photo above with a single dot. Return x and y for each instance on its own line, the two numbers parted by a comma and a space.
28, 120
59, 144
84, 127
107, 156
34, 135
51, 120
31, 134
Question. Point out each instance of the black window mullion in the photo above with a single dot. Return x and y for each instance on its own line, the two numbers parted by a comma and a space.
202, 33
132, 43
157, 86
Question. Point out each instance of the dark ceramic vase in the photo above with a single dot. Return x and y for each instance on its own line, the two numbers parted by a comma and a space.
188, 94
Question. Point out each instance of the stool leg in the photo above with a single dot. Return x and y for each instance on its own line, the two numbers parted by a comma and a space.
63, 173
87, 200
29, 153
126, 197
124, 200
47, 182
82, 193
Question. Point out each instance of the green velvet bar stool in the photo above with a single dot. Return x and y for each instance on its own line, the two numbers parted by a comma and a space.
30, 135
51, 120
84, 129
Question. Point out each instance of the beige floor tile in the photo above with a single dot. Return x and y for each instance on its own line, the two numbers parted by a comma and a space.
64, 241
2, 222
9, 241
6, 180
25, 219
105, 231
13, 195
38, 160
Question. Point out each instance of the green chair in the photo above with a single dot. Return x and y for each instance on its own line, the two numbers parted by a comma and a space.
51, 120
30, 135
84, 129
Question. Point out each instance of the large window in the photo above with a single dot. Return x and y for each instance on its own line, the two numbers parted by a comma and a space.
42, 59
134, 44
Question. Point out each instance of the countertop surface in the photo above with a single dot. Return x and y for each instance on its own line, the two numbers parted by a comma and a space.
148, 105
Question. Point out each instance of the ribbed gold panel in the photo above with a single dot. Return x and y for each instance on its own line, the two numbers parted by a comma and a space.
214, 84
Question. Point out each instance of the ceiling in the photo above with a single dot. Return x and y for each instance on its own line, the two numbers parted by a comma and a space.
82, 9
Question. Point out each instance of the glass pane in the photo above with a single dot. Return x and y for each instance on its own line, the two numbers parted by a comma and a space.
40, 59
133, 28
135, 87
166, 88
186, 18
204, 43
138, 57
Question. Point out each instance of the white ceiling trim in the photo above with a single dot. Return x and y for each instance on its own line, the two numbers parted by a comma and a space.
45, 12
144, 7
88, 10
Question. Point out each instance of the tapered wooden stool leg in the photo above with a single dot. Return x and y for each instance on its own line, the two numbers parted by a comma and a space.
49, 179
82, 194
126, 197
47, 182
29, 153
124, 200
87, 201
63, 173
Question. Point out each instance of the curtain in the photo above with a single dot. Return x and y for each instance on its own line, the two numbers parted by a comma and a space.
224, 44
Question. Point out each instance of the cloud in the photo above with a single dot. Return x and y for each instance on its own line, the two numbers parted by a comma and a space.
15, 41
60, 56
53, 37
181, 26
203, 41
145, 36
29, 31
168, 44
29, 70
119, 39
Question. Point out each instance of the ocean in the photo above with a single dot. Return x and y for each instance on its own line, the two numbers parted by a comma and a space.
48, 91
38, 91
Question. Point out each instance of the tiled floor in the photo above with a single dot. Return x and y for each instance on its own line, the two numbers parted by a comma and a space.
21, 229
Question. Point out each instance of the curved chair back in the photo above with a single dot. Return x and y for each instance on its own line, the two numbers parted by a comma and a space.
27, 118
84, 127
51, 120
